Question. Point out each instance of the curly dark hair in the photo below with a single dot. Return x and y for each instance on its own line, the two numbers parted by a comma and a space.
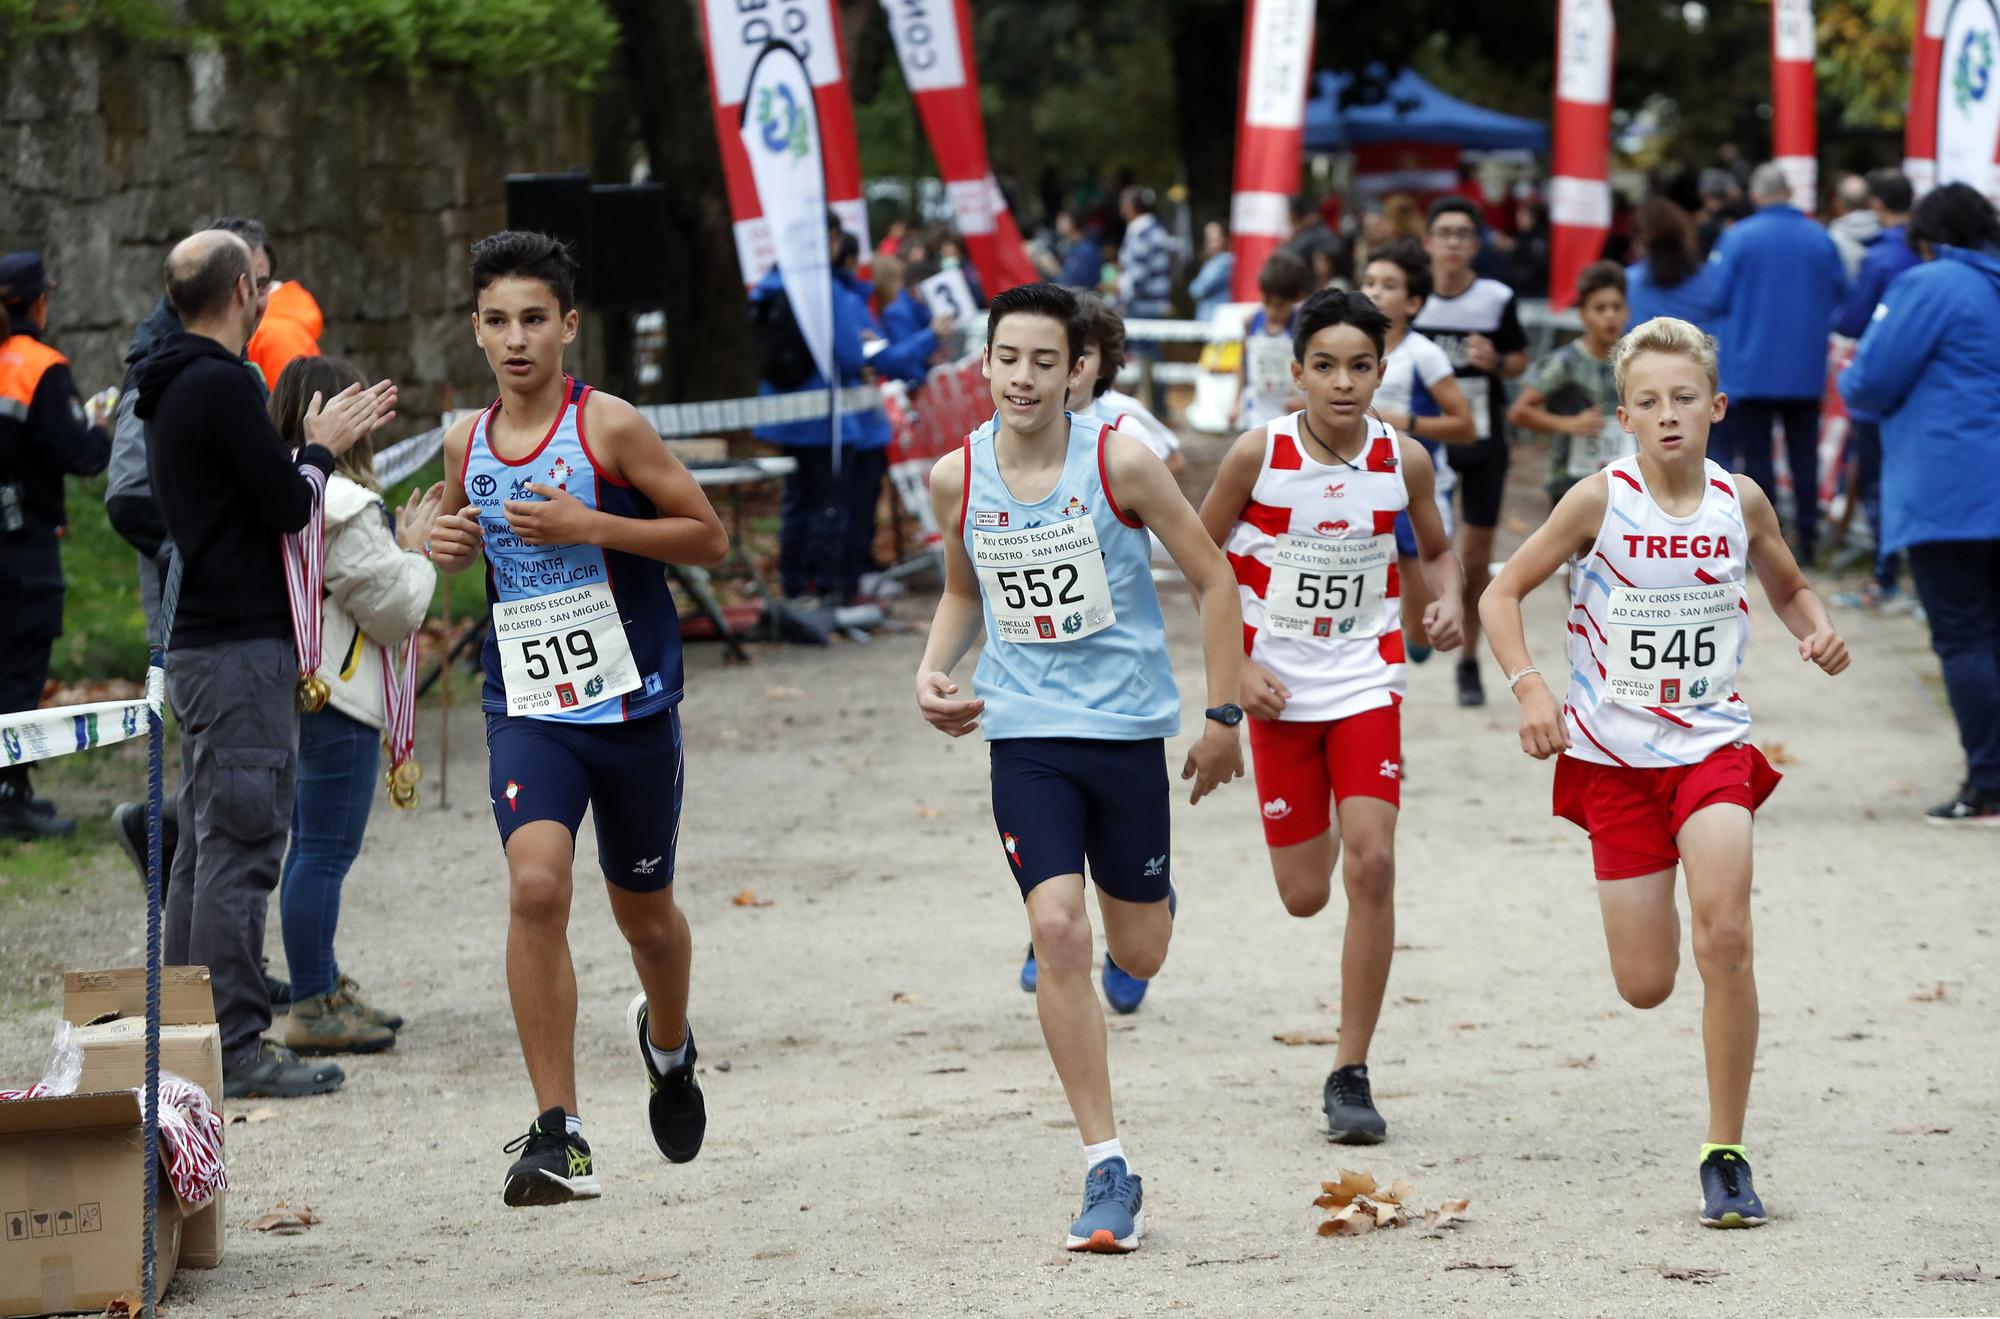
1106, 328
521, 253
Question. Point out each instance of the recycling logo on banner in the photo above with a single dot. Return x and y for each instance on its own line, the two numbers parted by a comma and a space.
1972, 71
789, 135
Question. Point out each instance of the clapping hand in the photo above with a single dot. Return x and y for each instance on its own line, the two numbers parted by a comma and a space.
339, 423
415, 519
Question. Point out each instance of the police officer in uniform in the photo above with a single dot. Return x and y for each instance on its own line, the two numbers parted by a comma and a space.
46, 433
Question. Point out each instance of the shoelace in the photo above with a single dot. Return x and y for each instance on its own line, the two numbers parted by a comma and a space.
1349, 1088
1103, 1185
533, 1141
1731, 1172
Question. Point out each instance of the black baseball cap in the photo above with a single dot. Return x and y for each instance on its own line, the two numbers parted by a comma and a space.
23, 278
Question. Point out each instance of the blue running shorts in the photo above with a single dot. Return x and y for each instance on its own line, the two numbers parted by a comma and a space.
629, 774
1058, 801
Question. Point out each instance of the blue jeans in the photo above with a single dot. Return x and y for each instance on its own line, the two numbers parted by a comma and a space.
1959, 584
1866, 436
338, 757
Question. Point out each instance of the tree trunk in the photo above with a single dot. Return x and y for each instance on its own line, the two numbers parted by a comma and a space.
1207, 41
708, 335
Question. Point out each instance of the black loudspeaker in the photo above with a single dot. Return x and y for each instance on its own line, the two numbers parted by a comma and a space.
617, 233
557, 205
628, 246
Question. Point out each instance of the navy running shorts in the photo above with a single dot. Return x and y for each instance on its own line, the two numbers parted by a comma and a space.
1482, 480
629, 775
1059, 801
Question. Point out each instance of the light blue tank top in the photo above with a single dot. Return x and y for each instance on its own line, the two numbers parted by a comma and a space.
1112, 685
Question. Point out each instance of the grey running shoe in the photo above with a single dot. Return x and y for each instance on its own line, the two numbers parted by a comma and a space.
1351, 1118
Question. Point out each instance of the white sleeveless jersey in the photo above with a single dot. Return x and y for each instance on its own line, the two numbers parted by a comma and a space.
1314, 553
1658, 626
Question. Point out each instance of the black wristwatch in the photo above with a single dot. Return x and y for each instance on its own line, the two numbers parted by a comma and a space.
1227, 715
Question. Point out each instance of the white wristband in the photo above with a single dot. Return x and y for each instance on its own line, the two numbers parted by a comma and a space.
1514, 679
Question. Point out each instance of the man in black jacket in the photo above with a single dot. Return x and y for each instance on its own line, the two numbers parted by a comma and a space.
45, 435
227, 488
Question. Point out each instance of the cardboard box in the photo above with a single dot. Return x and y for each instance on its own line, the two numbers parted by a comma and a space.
108, 1008
71, 1225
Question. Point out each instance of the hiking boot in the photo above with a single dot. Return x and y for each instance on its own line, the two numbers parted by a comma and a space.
19, 819
554, 1168
279, 989
275, 1072
1112, 1222
1351, 1118
1471, 691
674, 1107
1970, 806
320, 1023
347, 994
1727, 1197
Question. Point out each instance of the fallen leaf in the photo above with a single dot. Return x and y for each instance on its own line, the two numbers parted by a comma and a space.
1691, 1275
1974, 1274
1296, 1037
1327, 1200
1920, 1131
1584, 1063
1390, 1215
1929, 995
1477, 1264
900, 997
1350, 1185
748, 898
928, 812
1349, 1222
284, 1220
1775, 753
1465, 1025
645, 1278
1398, 1192
1451, 1211
783, 693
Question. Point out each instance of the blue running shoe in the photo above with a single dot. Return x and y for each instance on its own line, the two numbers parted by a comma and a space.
1417, 652
1028, 971
1122, 991
1111, 1222
1727, 1197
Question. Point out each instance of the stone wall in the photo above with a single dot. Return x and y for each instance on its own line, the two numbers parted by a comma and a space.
372, 191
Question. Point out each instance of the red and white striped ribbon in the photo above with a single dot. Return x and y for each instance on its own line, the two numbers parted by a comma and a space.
399, 701
1270, 134
192, 1130
305, 575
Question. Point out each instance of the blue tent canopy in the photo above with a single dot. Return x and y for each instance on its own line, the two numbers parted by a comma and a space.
1412, 111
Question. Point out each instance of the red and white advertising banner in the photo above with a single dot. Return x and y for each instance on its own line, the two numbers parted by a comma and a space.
734, 39
1920, 120
1794, 97
1580, 173
1270, 134
934, 45
1968, 96
1425, 170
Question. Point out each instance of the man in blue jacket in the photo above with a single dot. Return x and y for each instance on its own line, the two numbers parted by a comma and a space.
1888, 256
1929, 366
826, 519
1781, 280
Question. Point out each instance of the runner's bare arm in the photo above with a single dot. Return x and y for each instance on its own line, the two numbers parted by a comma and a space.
1260, 693
1529, 411
1455, 425
1444, 616
455, 539
627, 448
958, 620
1571, 528
1794, 601
1140, 485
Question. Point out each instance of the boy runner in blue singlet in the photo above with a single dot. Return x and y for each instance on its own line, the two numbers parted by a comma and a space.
1051, 563
576, 503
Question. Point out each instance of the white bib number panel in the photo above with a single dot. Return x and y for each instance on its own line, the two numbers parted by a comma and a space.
1673, 646
1267, 367
1044, 584
1479, 393
1591, 454
1328, 589
565, 651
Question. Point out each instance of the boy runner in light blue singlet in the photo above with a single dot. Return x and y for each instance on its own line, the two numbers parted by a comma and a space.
575, 503
1051, 564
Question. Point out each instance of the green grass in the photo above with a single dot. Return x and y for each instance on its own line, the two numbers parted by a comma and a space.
49, 869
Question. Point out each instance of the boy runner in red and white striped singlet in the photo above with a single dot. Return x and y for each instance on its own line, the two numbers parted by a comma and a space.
1306, 507
1651, 739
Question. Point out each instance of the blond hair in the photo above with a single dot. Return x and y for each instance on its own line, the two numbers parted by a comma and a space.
1664, 334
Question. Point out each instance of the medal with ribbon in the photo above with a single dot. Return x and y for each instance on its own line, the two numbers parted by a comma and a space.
399, 725
305, 578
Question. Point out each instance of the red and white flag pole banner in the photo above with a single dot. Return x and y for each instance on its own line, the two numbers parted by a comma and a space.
1966, 100
1794, 100
1920, 119
733, 40
1580, 182
934, 45
1270, 134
